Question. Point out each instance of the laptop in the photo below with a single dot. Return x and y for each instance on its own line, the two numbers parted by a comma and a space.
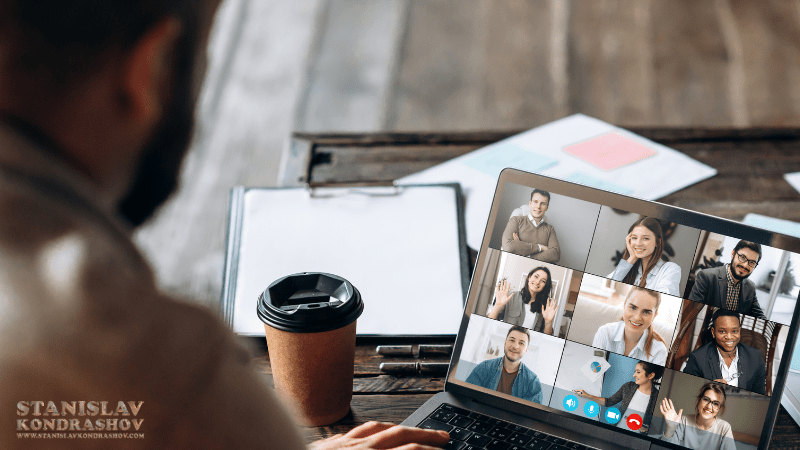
597, 320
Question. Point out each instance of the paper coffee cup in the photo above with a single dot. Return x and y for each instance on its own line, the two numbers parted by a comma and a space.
310, 323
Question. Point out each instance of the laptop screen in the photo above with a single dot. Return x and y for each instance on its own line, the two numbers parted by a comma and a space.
629, 315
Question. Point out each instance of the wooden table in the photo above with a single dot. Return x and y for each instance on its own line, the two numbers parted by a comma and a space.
751, 163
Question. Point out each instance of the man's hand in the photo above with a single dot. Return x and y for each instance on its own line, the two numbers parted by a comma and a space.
515, 236
379, 435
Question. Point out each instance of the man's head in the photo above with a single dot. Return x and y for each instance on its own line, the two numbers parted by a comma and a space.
726, 329
540, 201
516, 344
110, 86
744, 258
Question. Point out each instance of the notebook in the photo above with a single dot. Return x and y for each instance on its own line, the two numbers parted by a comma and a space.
597, 320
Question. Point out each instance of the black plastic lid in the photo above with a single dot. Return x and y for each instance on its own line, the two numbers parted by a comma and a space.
310, 302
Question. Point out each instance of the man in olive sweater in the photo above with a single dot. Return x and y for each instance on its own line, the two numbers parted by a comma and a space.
530, 235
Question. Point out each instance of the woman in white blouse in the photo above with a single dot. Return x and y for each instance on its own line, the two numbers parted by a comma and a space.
641, 264
633, 335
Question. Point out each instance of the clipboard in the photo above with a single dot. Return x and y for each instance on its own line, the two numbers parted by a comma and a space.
403, 247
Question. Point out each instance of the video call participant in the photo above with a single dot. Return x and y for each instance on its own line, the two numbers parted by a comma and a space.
507, 374
96, 114
727, 286
530, 235
725, 359
634, 336
703, 430
510, 307
641, 264
637, 396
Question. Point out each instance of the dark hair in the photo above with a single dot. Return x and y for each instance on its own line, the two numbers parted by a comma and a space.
756, 247
711, 387
541, 192
654, 226
655, 369
724, 313
51, 44
521, 330
541, 297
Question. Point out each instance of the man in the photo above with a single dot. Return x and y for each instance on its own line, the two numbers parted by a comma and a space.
507, 374
726, 360
530, 235
727, 286
96, 112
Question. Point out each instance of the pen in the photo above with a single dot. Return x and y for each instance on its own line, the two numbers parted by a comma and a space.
435, 350
412, 368
394, 350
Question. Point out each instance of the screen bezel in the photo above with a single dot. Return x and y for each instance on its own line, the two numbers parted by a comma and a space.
639, 206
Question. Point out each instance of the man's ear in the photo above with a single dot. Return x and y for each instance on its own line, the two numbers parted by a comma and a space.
147, 70
713, 334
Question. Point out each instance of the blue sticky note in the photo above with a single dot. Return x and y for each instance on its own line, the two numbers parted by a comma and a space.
588, 180
493, 160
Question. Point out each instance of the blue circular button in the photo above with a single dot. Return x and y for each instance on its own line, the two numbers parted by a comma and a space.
571, 403
591, 409
613, 415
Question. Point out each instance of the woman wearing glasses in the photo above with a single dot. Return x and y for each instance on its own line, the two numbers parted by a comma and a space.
703, 430
641, 264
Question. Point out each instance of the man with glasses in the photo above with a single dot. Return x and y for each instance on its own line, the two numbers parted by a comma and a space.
727, 286
725, 359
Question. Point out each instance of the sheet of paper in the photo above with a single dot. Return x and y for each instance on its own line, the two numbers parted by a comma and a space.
542, 150
793, 179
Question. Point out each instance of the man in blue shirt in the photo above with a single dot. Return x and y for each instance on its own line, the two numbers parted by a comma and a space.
508, 374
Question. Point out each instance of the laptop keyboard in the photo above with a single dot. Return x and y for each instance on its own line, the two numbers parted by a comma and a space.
471, 431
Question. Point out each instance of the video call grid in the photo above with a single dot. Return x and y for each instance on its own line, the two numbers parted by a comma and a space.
683, 293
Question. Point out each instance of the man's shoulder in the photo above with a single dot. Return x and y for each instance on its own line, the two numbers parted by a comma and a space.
527, 371
704, 349
490, 362
751, 353
517, 220
711, 272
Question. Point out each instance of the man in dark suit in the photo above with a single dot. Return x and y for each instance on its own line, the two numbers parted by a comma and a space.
725, 359
727, 286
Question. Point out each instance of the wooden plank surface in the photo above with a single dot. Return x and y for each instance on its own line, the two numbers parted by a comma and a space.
364, 408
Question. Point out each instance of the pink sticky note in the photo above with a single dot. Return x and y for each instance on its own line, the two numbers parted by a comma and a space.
610, 151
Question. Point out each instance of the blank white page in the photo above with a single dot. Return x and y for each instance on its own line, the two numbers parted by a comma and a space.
400, 251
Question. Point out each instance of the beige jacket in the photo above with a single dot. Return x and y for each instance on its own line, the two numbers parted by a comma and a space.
81, 320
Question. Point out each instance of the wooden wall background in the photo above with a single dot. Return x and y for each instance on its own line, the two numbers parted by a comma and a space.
435, 65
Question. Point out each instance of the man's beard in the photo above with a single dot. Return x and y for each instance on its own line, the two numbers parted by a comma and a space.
160, 164
510, 359
738, 277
